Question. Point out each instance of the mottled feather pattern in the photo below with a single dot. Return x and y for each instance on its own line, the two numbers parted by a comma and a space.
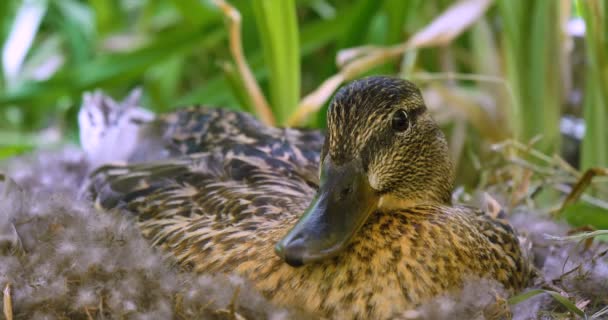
231, 174
233, 187
398, 260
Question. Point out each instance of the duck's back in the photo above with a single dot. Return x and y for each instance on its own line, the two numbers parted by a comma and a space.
204, 176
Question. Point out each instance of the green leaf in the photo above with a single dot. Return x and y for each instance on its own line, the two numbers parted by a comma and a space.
583, 214
12, 151
77, 25
106, 16
111, 69
195, 12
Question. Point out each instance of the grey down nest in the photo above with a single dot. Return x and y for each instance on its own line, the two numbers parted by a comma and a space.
60, 258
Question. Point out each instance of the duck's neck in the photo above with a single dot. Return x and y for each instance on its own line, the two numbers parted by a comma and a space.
391, 202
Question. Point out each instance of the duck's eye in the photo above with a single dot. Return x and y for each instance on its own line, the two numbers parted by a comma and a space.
400, 121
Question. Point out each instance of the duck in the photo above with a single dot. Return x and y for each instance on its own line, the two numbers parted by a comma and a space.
353, 223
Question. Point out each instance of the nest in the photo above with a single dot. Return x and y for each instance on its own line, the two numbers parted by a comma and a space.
63, 259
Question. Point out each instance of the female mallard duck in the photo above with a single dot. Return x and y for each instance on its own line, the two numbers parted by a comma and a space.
374, 236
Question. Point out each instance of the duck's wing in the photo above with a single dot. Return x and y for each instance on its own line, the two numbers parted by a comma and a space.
227, 174
227, 186
199, 129
210, 150
504, 239
124, 132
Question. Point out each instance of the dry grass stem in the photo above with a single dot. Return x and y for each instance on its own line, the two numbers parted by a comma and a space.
554, 172
233, 302
567, 189
7, 302
260, 104
602, 312
489, 121
89, 316
313, 102
347, 55
356, 61
491, 206
581, 186
579, 236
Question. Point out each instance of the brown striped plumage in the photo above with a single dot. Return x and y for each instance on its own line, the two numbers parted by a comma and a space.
225, 189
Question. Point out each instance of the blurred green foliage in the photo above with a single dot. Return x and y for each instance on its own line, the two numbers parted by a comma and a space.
178, 51
533, 45
175, 50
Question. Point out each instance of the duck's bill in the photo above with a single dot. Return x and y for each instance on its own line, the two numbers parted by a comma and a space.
342, 205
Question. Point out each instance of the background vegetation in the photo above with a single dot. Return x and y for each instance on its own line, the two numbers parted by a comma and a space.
490, 70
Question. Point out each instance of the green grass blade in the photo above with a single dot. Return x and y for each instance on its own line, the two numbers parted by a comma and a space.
532, 46
555, 295
278, 30
396, 11
194, 11
75, 21
313, 36
360, 20
594, 148
237, 86
545, 94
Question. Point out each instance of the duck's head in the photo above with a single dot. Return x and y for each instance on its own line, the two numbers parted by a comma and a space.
382, 151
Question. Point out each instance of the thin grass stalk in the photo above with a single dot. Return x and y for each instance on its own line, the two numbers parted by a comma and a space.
545, 79
278, 29
440, 32
509, 11
258, 100
486, 62
594, 148
236, 85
